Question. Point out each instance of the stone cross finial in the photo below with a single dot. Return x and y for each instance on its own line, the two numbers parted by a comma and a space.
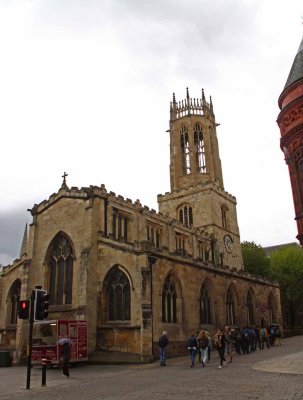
64, 179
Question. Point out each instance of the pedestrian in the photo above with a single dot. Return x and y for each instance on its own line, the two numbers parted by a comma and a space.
203, 346
229, 343
65, 352
192, 345
238, 341
163, 343
209, 347
278, 337
264, 337
220, 343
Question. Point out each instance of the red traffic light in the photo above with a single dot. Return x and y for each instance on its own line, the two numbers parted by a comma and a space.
23, 312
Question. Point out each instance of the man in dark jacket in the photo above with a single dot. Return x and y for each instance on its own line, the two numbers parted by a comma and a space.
163, 342
65, 350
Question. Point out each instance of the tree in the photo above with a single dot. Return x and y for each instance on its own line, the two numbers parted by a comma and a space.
254, 259
286, 267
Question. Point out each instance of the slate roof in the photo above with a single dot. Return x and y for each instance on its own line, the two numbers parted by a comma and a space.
296, 71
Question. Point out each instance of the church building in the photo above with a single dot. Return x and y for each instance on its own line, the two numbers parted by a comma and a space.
132, 272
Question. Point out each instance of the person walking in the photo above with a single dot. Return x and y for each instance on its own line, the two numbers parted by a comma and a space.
203, 346
220, 343
278, 337
192, 345
229, 343
163, 343
65, 352
209, 347
264, 337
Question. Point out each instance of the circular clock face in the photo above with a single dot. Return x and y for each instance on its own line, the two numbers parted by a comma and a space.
228, 243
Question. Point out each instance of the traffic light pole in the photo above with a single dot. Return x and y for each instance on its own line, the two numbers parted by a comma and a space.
30, 340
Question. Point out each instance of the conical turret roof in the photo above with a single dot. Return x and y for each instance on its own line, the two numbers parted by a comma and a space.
296, 71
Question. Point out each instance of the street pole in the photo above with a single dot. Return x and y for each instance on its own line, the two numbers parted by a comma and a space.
30, 341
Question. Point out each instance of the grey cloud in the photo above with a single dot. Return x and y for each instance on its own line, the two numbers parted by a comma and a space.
12, 224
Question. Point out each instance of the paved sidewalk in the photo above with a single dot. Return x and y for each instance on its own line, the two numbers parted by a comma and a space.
269, 374
291, 364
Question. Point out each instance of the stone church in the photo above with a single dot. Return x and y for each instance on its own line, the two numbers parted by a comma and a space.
132, 272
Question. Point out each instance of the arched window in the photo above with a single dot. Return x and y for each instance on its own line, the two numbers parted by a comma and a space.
200, 149
271, 309
205, 306
224, 216
13, 301
230, 307
186, 215
169, 301
61, 271
185, 150
118, 295
250, 308
181, 216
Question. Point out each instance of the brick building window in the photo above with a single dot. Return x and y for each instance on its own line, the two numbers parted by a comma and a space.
118, 295
169, 301
61, 270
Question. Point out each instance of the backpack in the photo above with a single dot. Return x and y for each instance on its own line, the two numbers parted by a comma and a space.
262, 332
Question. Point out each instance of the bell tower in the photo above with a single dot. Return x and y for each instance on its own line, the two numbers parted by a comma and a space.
197, 198
194, 151
290, 121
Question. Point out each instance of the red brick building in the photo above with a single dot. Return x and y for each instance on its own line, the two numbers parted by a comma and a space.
290, 121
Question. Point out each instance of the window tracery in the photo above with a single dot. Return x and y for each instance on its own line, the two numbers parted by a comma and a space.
185, 150
61, 271
169, 301
205, 306
118, 295
200, 148
230, 307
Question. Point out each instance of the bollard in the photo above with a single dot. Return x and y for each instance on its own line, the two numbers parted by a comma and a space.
44, 366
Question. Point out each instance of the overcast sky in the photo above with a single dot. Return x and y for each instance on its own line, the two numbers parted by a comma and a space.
85, 87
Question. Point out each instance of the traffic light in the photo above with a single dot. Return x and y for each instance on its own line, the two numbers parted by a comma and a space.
23, 310
41, 305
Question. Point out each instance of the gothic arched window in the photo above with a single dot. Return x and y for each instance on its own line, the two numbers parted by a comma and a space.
61, 271
185, 150
230, 307
169, 301
200, 149
14, 298
205, 306
250, 308
186, 215
224, 216
118, 295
